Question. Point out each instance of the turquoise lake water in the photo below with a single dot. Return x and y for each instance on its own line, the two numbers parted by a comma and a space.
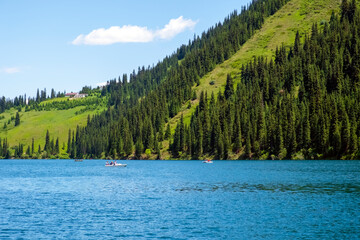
63, 199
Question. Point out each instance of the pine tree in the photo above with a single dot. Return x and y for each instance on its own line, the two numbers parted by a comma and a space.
175, 146
128, 139
354, 137
37, 96
346, 134
139, 148
52, 146
17, 119
167, 132
32, 146
69, 142
248, 145
229, 87
157, 146
297, 44
28, 151
47, 142
344, 9
352, 10
57, 147
237, 133
337, 139
198, 149
280, 138
182, 134
73, 146
307, 132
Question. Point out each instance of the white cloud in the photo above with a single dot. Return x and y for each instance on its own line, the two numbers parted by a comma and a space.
174, 27
115, 34
10, 70
129, 33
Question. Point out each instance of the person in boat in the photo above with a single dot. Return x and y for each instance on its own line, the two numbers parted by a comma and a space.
115, 163
107, 163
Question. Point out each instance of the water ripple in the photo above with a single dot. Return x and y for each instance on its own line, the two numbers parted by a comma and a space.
180, 200
327, 188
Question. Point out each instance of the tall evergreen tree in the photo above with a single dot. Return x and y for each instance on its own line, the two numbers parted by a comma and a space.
32, 146
17, 119
229, 87
47, 142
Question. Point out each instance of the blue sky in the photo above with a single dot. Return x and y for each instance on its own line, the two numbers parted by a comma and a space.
66, 45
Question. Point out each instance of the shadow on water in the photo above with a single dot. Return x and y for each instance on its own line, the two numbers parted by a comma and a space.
325, 188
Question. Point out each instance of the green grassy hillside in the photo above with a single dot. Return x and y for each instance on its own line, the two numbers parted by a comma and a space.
34, 124
281, 28
296, 15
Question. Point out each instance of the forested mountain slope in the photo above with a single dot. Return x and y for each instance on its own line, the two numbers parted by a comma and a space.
301, 103
280, 28
132, 124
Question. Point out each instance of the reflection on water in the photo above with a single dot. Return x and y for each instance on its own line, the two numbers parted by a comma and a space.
327, 188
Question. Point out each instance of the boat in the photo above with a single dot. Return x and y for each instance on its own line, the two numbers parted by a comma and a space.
78, 160
208, 161
115, 164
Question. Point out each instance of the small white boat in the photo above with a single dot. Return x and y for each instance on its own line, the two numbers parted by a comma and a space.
115, 165
208, 161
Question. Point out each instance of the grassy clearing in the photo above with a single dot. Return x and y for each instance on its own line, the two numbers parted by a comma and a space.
34, 124
281, 28
52, 100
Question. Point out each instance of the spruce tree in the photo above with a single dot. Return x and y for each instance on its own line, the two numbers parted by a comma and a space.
237, 133
167, 132
139, 148
182, 134
17, 119
32, 146
229, 87
28, 151
248, 145
297, 44
69, 142
47, 142
57, 147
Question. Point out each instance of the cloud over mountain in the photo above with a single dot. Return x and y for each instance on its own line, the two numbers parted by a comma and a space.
134, 34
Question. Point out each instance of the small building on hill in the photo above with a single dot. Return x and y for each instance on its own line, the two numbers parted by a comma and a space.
76, 95
80, 95
70, 94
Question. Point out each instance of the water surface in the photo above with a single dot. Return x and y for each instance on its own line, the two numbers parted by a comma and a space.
47, 199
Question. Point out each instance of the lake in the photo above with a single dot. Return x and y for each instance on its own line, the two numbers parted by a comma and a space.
48, 199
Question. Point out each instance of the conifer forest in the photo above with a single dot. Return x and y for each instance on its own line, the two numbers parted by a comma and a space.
304, 103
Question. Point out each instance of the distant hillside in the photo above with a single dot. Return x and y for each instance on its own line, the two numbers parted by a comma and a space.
48, 116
